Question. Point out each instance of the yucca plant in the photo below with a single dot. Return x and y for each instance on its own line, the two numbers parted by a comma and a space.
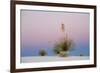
63, 47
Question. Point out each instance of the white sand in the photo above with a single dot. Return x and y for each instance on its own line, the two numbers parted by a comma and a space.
51, 58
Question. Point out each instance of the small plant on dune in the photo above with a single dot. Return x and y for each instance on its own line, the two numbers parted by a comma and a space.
81, 55
42, 52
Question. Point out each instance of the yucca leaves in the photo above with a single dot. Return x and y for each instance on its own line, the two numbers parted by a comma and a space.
63, 45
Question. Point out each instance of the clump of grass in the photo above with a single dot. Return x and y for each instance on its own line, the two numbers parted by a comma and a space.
81, 55
42, 52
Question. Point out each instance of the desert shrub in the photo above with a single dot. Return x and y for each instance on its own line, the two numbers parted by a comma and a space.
81, 55
42, 52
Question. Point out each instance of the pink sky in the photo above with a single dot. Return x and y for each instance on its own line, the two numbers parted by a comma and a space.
42, 27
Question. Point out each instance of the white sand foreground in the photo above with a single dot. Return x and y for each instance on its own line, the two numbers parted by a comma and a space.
51, 58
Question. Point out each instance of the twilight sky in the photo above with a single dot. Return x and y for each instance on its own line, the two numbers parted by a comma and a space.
42, 29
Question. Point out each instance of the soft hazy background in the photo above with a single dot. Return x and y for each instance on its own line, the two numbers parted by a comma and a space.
42, 29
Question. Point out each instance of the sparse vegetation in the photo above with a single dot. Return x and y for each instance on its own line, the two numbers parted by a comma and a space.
81, 55
63, 47
42, 52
